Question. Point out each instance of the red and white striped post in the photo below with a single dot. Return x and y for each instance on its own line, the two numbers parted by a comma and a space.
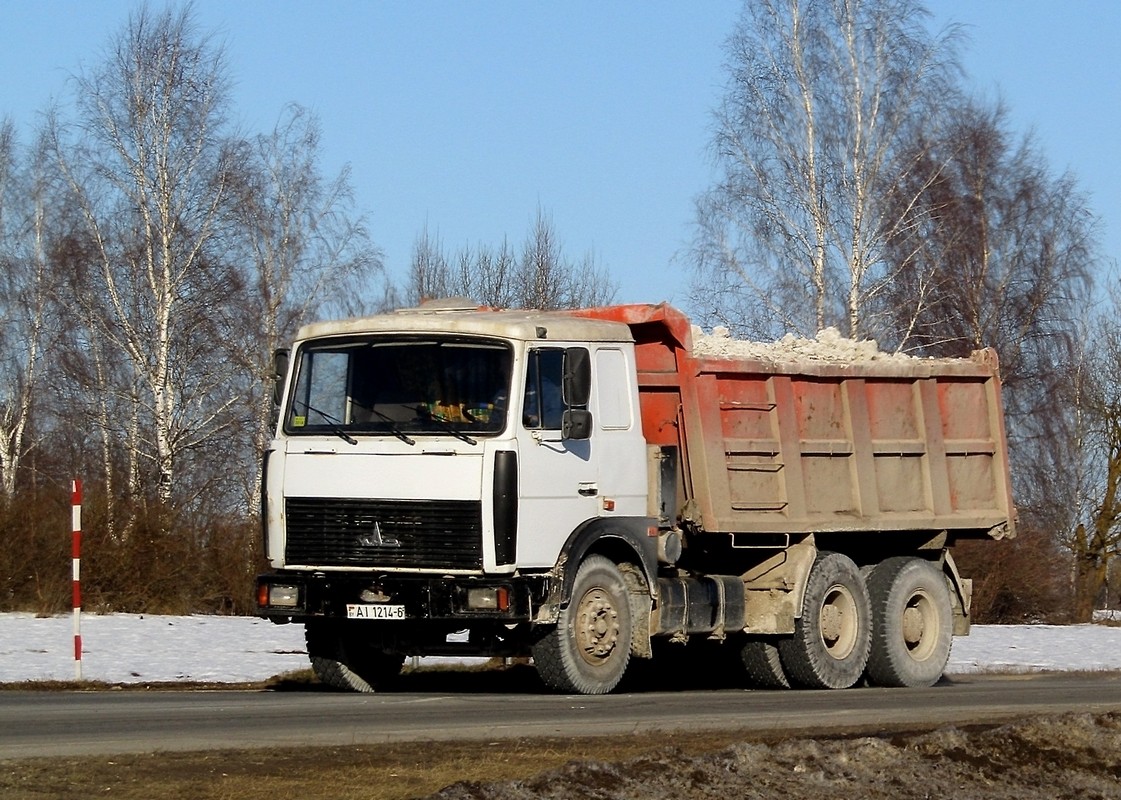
76, 569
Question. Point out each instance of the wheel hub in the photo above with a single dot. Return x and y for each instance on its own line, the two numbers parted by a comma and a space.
919, 617
914, 624
837, 622
597, 628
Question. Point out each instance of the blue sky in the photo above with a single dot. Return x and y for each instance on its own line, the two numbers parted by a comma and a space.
465, 117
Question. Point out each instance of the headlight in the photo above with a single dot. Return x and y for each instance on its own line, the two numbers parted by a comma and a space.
494, 598
279, 595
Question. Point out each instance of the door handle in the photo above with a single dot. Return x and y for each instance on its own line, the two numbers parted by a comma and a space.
588, 490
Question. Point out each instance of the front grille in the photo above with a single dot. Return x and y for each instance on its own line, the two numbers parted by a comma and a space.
436, 534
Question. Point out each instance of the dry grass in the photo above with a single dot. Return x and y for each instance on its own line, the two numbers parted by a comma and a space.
1035, 758
383, 772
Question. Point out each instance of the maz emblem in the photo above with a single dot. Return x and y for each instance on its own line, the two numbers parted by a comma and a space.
377, 539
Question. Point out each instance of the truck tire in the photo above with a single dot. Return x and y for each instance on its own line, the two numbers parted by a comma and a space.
588, 650
342, 658
829, 648
763, 664
912, 623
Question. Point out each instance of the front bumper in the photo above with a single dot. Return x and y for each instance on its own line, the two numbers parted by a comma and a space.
296, 596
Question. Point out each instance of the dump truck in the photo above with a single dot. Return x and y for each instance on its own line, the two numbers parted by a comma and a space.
593, 490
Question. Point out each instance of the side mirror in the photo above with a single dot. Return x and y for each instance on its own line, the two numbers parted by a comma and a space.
279, 373
577, 376
576, 424
577, 390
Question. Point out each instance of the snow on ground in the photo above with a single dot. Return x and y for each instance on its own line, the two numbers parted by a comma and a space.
131, 648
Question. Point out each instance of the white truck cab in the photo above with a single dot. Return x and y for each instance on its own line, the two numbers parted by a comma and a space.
434, 470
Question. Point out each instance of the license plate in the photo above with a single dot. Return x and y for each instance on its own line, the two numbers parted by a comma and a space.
374, 611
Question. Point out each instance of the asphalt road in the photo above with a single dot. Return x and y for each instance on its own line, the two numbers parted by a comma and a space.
34, 723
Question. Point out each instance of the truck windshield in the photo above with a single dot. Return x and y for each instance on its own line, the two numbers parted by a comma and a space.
401, 387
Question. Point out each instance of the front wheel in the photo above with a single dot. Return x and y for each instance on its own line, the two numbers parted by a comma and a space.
348, 656
589, 649
829, 648
912, 623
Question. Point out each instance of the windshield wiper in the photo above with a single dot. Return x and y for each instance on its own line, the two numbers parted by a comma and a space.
400, 434
334, 425
446, 423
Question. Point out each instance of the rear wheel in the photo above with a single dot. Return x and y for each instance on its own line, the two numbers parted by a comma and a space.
589, 649
829, 648
349, 656
912, 623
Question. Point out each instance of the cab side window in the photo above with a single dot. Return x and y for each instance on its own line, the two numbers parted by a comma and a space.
543, 405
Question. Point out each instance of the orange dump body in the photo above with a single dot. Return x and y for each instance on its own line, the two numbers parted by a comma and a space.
808, 446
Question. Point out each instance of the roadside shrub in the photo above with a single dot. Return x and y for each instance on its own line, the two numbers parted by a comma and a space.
156, 563
1019, 580
35, 551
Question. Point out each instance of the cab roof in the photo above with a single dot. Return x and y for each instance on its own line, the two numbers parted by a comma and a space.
518, 325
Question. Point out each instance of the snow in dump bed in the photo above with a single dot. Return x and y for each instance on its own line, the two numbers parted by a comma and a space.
828, 347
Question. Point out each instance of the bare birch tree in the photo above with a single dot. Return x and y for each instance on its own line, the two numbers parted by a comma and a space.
147, 169
430, 271
549, 280
491, 273
89, 377
541, 277
302, 249
488, 275
24, 297
821, 95
542, 272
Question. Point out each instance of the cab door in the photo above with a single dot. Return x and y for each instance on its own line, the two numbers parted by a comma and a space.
557, 475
